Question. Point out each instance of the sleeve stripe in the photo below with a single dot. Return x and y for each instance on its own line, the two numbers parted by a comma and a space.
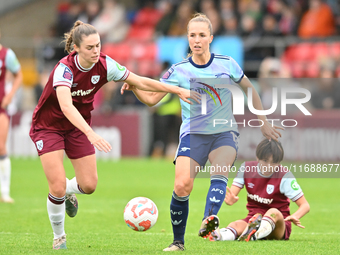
126, 74
62, 83
238, 184
240, 78
297, 196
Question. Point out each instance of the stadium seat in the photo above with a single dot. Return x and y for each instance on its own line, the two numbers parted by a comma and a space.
312, 69
298, 69
120, 52
321, 50
334, 49
140, 33
147, 17
304, 52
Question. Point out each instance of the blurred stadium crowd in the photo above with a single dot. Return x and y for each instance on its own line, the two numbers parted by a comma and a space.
128, 32
283, 41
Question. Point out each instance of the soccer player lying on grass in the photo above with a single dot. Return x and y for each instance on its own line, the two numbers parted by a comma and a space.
269, 186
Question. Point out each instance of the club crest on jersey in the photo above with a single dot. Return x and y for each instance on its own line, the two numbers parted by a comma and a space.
40, 144
270, 188
168, 73
95, 79
67, 74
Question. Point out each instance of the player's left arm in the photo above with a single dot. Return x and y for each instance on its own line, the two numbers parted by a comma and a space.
269, 131
300, 212
146, 97
12, 64
147, 84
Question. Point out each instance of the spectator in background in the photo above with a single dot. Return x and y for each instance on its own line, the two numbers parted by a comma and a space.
183, 15
288, 21
326, 95
68, 13
207, 5
251, 8
166, 123
92, 11
215, 20
251, 35
270, 26
164, 24
227, 9
230, 25
111, 22
318, 21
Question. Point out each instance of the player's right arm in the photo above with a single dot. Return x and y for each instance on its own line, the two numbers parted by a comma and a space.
62, 82
73, 115
238, 184
231, 196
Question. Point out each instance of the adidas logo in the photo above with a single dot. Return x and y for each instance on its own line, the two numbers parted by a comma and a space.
176, 222
184, 149
214, 200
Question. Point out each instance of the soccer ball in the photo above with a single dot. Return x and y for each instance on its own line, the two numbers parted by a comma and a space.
140, 214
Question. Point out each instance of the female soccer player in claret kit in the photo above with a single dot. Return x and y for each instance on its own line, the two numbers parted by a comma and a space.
62, 118
8, 62
270, 187
200, 140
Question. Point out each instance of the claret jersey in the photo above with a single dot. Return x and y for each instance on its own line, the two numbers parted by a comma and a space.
8, 61
84, 83
267, 192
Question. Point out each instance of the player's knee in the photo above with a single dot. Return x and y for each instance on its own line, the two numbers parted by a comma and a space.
89, 188
274, 213
183, 188
2, 149
58, 190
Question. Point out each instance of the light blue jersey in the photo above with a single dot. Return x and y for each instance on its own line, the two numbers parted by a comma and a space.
203, 79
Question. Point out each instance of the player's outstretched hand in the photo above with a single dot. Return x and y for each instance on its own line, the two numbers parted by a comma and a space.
295, 220
271, 132
98, 142
230, 197
126, 86
184, 94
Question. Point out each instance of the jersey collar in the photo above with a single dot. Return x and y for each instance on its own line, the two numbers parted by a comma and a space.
78, 65
205, 65
260, 173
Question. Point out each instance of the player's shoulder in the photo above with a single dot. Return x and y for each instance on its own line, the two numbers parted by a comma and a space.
4, 49
68, 60
222, 57
181, 64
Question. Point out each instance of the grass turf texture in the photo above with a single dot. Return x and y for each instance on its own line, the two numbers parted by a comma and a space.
99, 227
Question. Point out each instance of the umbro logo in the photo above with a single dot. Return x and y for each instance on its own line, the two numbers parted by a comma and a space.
251, 185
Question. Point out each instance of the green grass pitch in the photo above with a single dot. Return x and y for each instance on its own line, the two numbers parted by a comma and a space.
99, 227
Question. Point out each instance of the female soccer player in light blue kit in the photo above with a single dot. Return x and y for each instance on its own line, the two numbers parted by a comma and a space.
200, 138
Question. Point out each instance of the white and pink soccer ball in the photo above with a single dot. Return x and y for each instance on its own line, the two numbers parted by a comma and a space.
140, 214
